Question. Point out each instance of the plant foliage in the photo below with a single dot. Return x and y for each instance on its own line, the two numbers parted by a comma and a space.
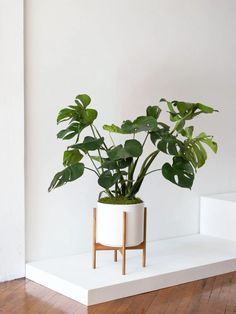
116, 166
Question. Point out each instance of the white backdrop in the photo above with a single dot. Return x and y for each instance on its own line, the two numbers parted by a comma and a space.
126, 54
12, 216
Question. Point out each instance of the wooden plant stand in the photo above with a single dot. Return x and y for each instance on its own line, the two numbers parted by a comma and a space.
122, 249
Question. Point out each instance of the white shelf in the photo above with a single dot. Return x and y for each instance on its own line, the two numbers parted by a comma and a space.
169, 262
218, 215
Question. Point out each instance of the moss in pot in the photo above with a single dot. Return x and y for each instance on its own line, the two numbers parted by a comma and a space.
119, 170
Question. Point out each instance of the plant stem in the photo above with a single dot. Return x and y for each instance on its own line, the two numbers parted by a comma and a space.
99, 152
145, 139
97, 170
113, 143
91, 170
146, 164
99, 135
152, 171
133, 166
177, 123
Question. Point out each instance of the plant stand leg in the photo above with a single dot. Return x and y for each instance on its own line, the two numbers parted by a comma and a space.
124, 244
94, 238
144, 236
115, 255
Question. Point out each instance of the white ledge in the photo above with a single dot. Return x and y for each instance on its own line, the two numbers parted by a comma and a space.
218, 215
169, 262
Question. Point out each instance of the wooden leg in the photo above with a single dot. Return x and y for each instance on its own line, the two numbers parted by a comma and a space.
115, 255
124, 244
94, 238
144, 236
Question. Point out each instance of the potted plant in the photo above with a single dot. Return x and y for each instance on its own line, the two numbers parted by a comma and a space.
119, 169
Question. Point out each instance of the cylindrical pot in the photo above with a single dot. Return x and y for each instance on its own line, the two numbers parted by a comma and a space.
109, 222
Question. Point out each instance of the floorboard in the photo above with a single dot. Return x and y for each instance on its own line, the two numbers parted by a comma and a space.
215, 295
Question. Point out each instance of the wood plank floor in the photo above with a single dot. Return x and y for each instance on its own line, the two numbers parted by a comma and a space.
215, 295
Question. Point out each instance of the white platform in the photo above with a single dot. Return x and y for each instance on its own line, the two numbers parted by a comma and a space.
169, 262
218, 215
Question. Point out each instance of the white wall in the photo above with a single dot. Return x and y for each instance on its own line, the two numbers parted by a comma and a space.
12, 242
126, 54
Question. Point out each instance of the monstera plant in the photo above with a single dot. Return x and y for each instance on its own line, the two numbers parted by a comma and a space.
119, 169
116, 165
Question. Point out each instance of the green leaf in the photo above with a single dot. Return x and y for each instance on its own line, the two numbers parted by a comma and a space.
174, 116
183, 107
88, 116
205, 109
133, 147
83, 99
188, 132
153, 111
77, 171
106, 180
193, 149
68, 133
118, 152
160, 132
97, 158
200, 154
64, 115
73, 129
123, 163
180, 172
71, 157
69, 174
213, 145
114, 164
140, 124
186, 110
170, 145
113, 128
89, 143
145, 123
179, 125
109, 164
128, 127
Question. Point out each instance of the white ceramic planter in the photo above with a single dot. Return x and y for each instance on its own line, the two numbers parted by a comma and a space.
110, 224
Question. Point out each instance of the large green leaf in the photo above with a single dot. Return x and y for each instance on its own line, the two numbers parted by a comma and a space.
88, 116
106, 179
68, 133
113, 129
134, 148
153, 111
208, 140
97, 158
72, 113
114, 164
188, 132
142, 123
174, 116
159, 132
186, 110
68, 174
180, 172
205, 109
83, 99
89, 144
65, 114
194, 150
71, 157
78, 117
169, 144
118, 152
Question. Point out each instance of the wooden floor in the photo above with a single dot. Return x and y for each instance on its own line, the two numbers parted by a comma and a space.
215, 295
